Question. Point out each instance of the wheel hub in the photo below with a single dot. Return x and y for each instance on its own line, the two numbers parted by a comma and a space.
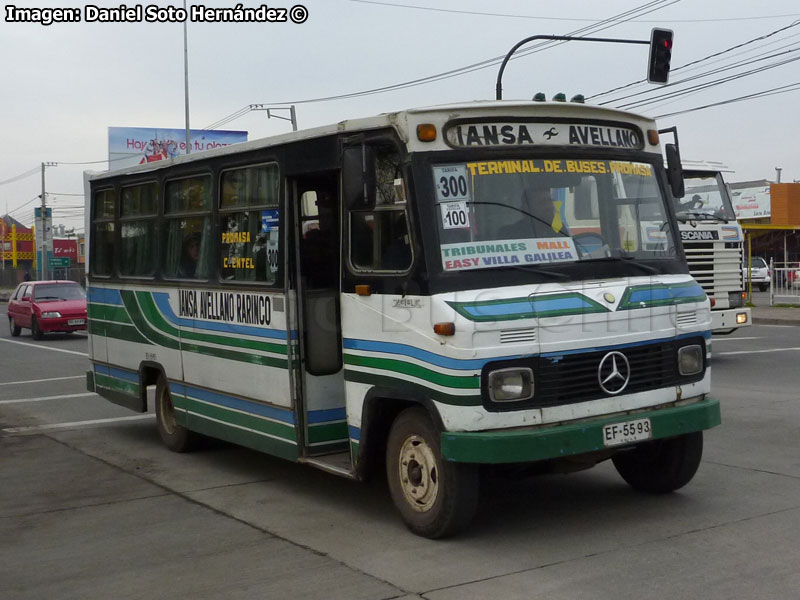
419, 474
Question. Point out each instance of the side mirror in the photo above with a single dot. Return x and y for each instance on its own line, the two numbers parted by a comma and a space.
674, 170
358, 177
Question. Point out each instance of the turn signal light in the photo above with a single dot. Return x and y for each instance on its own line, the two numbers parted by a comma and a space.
444, 328
426, 132
652, 137
363, 290
713, 302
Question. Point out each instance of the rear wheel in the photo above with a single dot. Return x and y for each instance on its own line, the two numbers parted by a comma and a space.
661, 466
174, 435
435, 497
35, 330
763, 287
13, 327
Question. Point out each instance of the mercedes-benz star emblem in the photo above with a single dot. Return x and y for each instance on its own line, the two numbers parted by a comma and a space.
614, 372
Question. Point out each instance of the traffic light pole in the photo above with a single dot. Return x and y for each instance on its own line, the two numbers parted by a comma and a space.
499, 85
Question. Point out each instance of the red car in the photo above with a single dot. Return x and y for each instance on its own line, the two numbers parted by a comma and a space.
47, 306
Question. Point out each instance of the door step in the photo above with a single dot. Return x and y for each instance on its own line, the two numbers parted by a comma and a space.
338, 464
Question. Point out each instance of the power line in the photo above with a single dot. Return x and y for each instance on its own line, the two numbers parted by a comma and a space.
699, 60
607, 23
21, 176
792, 87
541, 18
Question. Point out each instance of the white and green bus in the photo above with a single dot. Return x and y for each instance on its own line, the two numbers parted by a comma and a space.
426, 291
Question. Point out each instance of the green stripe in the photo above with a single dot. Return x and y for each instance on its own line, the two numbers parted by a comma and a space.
129, 300
106, 312
152, 313
402, 384
113, 383
221, 413
470, 382
327, 432
249, 439
117, 331
138, 318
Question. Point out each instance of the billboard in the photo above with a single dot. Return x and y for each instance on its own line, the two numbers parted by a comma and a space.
66, 249
751, 202
131, 146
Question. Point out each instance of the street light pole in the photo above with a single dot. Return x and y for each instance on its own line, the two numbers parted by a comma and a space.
271, 113
44, 221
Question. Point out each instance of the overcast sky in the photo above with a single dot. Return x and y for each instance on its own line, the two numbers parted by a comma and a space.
63, 85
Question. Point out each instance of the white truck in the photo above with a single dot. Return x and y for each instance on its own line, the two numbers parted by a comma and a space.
713, 243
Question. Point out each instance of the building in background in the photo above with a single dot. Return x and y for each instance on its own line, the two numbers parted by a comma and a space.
769, 214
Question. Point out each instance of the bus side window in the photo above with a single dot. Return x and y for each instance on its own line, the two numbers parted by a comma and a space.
102, 258
379, 238
188, 243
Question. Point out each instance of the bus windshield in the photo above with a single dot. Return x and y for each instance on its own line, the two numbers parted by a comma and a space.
705, 198
541, 211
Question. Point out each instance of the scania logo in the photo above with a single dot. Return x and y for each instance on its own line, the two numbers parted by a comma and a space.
614, 372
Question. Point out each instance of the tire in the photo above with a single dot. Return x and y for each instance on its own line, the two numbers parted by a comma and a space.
14, 328
661, 466
436, 498
174, 435
763, 287
35, 331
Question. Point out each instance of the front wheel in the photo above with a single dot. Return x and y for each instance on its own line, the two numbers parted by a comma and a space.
174, 435
13, 327
435, 497
36, 331
661, 466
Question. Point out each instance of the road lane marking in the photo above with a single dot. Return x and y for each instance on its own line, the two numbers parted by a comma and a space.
45, 398
43, 380
756, 351
44, 347
75, 424
738, 339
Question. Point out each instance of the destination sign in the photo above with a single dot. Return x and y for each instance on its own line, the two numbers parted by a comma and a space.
510, 134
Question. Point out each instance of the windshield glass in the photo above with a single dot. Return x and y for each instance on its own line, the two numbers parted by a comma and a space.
705, 194
542, 211
58, 291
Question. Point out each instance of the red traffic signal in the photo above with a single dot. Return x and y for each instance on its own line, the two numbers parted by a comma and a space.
660, 55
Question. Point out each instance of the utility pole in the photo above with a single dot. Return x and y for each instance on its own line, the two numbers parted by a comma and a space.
778, 174
44, 220
186, 78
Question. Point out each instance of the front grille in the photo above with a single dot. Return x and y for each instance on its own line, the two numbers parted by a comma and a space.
570, 378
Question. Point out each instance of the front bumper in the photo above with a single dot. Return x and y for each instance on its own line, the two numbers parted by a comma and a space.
542, 443
61, 324
725, 319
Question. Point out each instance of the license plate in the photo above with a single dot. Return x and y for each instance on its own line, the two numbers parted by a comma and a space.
76, 322
625, 433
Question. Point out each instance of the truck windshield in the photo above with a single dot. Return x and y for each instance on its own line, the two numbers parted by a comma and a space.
706, 197
520, 212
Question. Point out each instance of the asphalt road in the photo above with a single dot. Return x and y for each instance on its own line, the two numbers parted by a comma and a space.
92, 506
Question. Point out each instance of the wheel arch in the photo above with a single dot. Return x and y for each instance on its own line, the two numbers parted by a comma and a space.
149, 374
380, 408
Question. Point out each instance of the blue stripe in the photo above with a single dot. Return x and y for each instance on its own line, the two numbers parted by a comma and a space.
703, 334
355, 433
526, 306
325, 416
132, 376
104, 296
652, 294
424, 355
256, 408
162, 301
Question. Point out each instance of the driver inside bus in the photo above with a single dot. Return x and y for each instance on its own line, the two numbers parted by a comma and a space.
540, 216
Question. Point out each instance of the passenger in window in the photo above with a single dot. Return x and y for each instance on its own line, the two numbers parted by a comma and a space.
540, 218
190, 255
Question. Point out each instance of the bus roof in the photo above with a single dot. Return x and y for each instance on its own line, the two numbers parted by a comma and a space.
405, 122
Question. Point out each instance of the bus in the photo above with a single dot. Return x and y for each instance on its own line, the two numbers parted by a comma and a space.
714, 244
425, 292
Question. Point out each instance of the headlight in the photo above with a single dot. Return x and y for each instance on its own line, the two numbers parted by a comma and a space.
741, 318
53, 314
690, 360
510, 385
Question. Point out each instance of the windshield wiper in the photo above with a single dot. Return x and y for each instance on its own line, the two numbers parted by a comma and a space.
692, 215
628, 259
540, 271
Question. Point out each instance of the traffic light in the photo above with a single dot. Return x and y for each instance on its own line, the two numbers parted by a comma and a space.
660, 55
